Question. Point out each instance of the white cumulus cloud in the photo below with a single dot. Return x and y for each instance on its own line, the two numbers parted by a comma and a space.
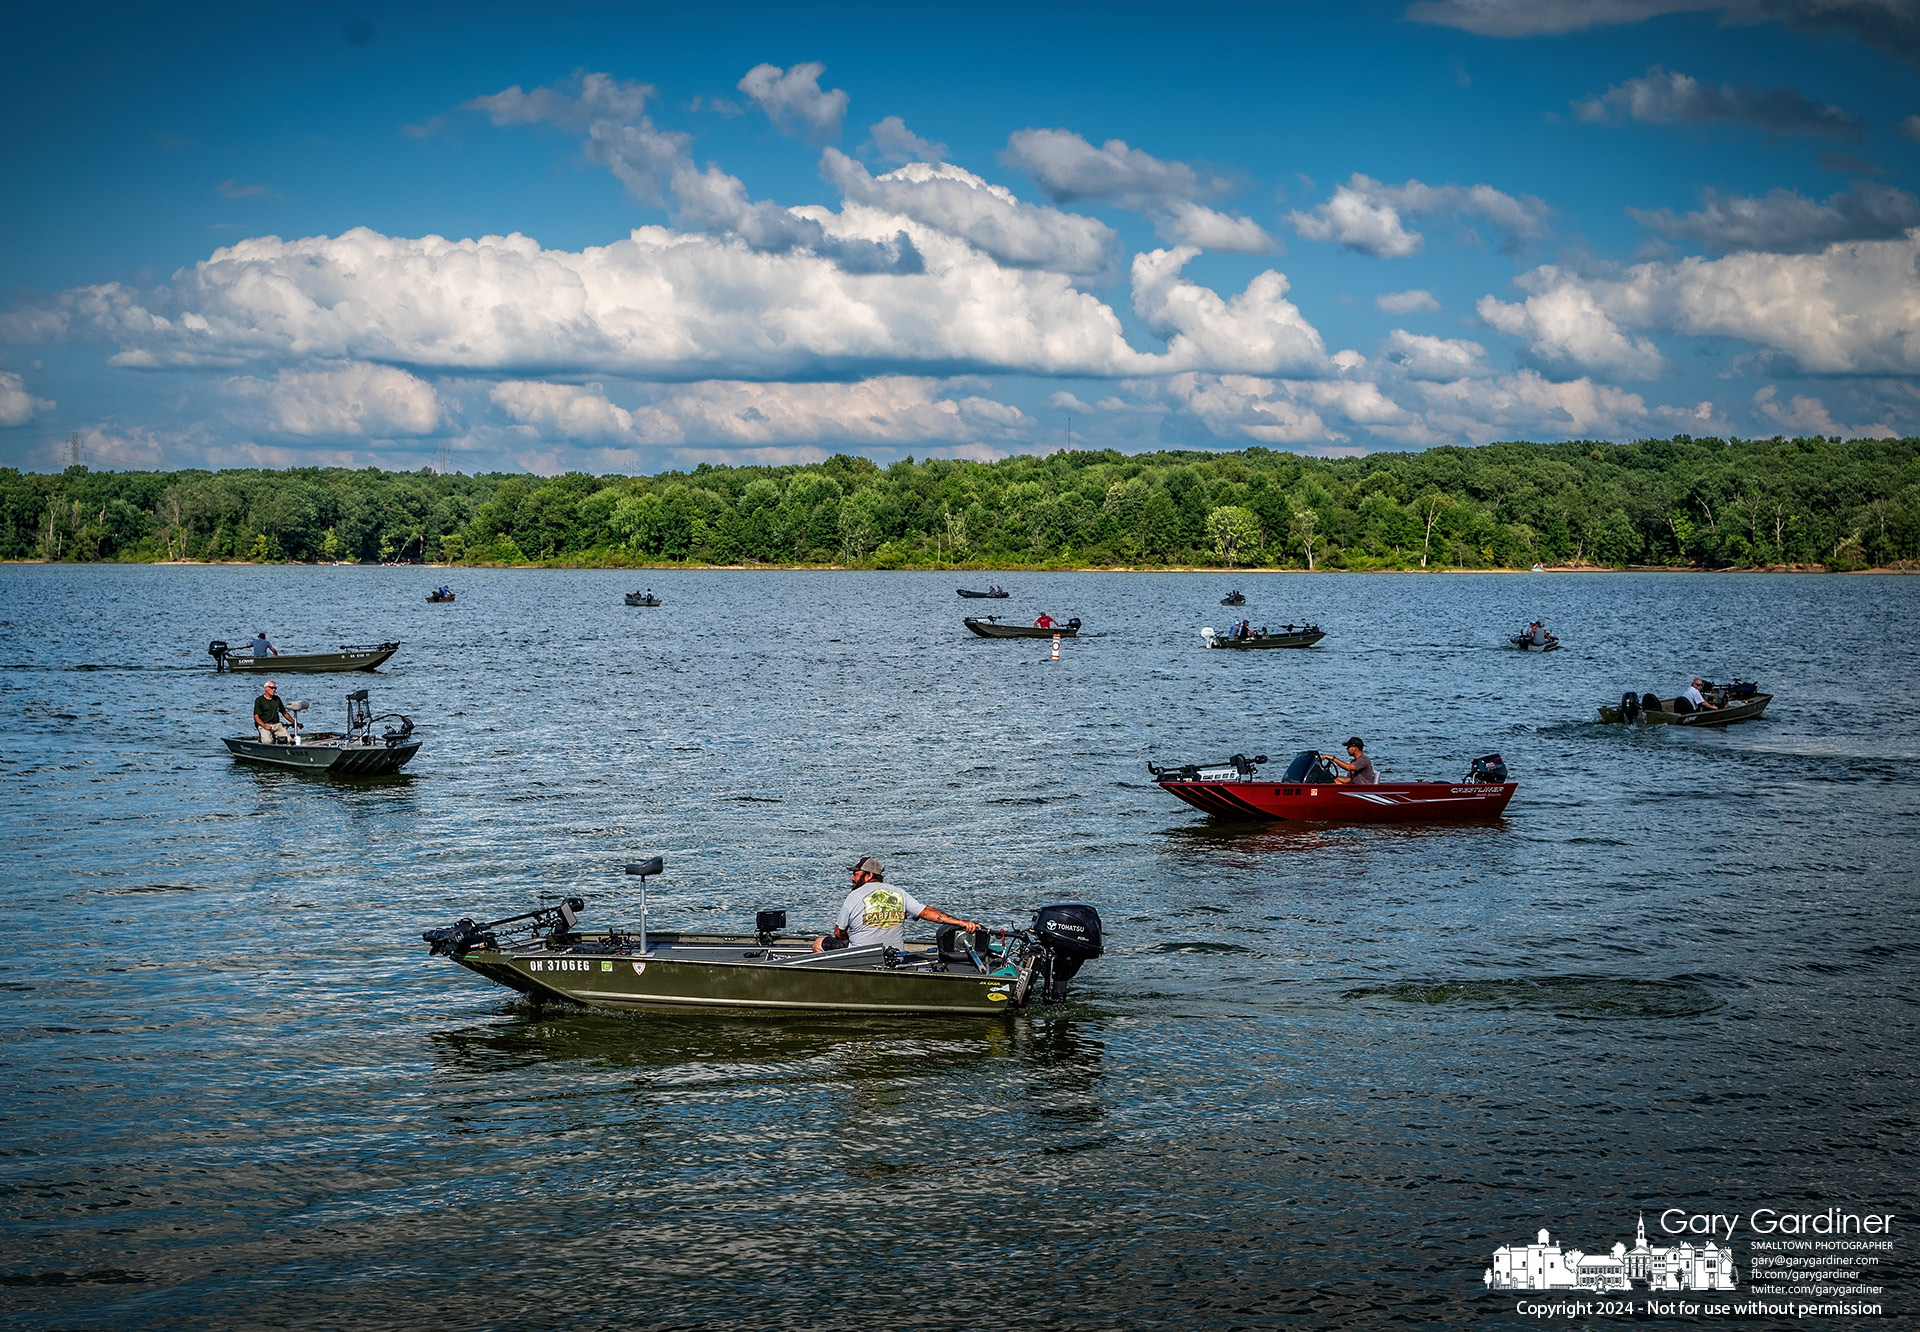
1852, 308
1788, 221
885, 410
893, 141
1365, 214
1423, 357
1182, 222
354, 399
1805, 415
1068, 168
793, 99
989, 217
1255, 332
1415, 301
17, 406
1562, 322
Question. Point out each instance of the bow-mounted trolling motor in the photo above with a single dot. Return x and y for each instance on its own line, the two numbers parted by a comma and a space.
1239, 768
360, 721
554, 924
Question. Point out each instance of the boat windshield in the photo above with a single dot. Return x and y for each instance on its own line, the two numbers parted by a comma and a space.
1307, 767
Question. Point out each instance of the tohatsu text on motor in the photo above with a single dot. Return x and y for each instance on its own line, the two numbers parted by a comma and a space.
1772, 1221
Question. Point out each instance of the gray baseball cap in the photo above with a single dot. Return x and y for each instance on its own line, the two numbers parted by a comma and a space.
870, 865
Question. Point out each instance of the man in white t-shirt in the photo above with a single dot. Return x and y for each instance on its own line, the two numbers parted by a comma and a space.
1695, 697
877, 912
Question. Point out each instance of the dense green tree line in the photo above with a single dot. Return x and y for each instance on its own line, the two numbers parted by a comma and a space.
1682, 501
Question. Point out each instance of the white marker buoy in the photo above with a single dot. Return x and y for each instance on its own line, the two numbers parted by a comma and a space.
1056, 647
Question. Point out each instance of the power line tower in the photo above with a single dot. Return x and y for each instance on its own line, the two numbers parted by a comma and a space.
443, 457
72, 449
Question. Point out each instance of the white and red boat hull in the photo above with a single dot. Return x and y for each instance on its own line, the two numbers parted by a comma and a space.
1384, 802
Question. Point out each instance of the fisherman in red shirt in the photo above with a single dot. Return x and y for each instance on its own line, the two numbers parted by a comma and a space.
1044, 622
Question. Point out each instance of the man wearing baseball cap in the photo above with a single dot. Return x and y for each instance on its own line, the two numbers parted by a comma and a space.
1359, 767
877, 912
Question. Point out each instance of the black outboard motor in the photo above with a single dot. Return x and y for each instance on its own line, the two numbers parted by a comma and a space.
1488, 768
217, 649
1629, 707
1069, 934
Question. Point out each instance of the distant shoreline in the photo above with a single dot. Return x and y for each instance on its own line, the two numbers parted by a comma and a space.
560, 567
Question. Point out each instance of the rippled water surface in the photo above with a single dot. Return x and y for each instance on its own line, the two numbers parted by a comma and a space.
1319, 1075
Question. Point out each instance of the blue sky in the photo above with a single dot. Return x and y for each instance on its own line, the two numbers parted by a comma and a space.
636, 237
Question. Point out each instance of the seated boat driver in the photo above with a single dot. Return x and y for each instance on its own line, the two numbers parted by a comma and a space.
1698, 699
262, 648
1044, 622
876, 912
1359, 767
270, 716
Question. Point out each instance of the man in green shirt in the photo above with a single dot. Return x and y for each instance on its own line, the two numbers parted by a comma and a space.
270, 715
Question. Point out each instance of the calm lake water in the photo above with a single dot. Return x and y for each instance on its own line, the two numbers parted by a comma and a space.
1317, 1078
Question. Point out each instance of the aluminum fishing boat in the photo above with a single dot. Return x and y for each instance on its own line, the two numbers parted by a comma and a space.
544, 956
1736, 702
991, 594
443, 594
363, 657
992, 628
642, 599
1290, 636
1307, 792
356, 752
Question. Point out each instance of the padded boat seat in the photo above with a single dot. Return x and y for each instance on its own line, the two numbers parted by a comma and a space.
872, 955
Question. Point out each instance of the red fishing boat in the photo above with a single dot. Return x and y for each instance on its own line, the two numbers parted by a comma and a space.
1307, 793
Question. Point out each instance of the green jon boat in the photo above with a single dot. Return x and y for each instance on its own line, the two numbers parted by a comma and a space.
365, 657
542, 955
357, 752
1736, 702
1290, 636
991, 627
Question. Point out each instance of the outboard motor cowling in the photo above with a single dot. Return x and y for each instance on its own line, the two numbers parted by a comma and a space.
217, 649
1629, 707
1488, 768
1070, 934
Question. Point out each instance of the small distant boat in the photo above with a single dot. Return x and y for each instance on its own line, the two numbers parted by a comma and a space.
1736, 702
355, 753
1234, 598
348, 658
642, 599
442, 595
992, 628
1538, 569
1307, 792
1290, 636
1526, 643
992, 593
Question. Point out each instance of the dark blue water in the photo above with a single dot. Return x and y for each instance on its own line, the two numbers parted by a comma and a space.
1317, 1078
